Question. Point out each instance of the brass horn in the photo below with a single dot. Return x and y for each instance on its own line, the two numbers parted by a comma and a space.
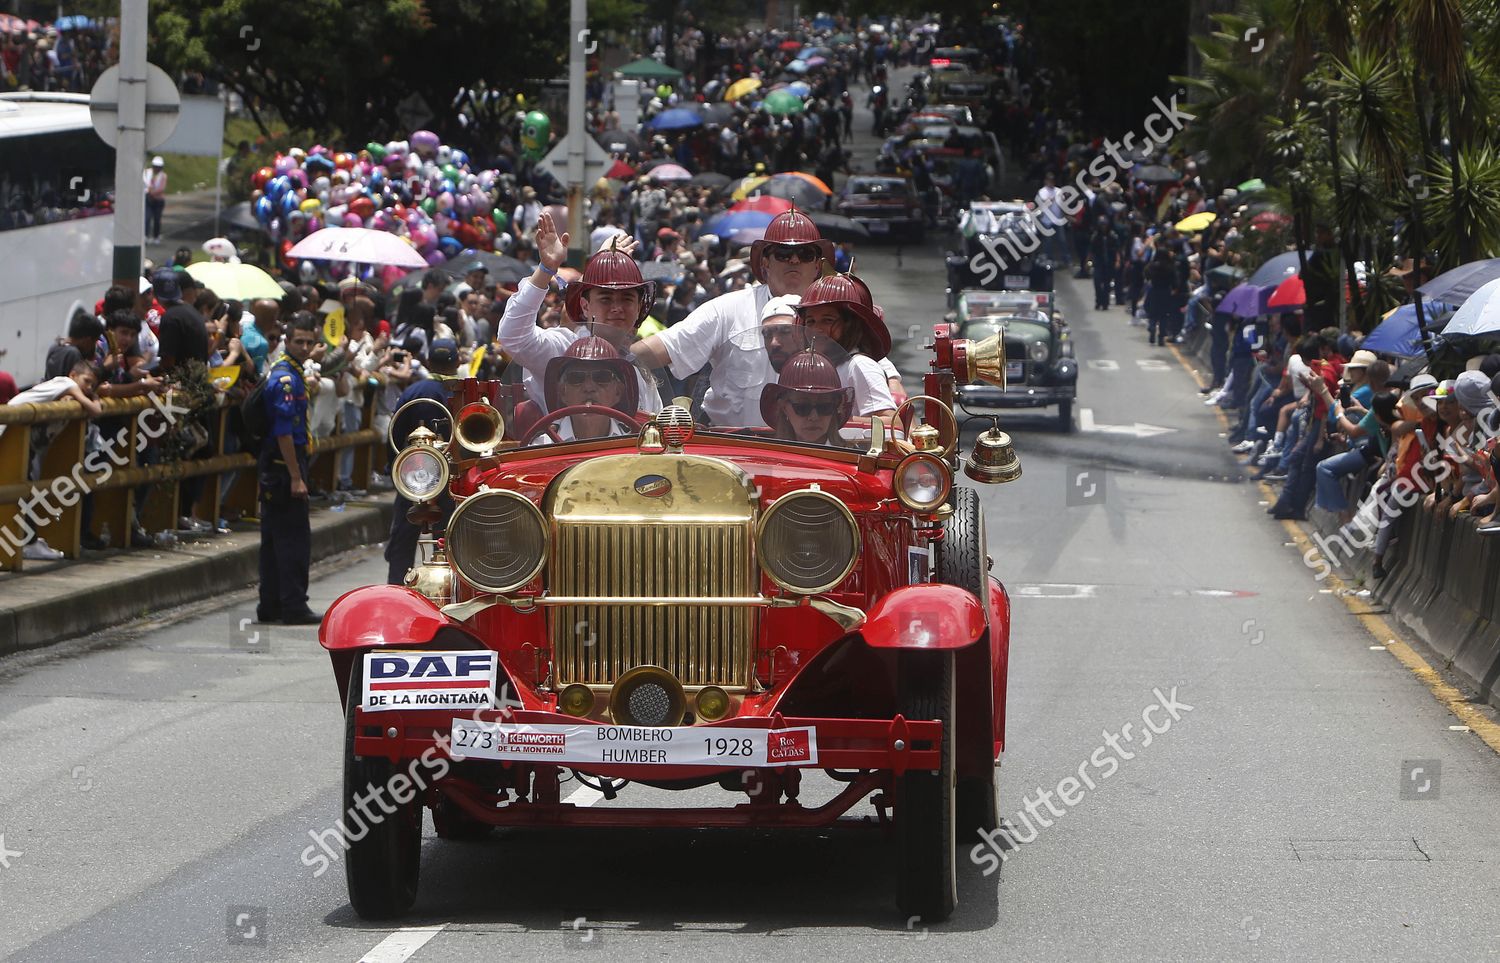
480, 428
993, 460
985, 360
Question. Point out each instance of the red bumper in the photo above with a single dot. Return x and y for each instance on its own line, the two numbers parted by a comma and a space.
892, 745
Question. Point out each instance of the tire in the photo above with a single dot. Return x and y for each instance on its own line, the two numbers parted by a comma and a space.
927, 883
382, 866
1065, 416
961, 562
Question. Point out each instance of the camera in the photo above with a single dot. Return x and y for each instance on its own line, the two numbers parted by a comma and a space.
398, 355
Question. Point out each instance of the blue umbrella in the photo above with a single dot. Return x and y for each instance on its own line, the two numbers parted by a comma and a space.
1245, 301
1398, 333
726, 224
74, 22
799, 87
1457, 285
678, 118
798, 67
1276, 270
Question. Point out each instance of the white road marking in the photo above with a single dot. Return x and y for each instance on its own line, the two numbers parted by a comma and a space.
1086, 423
583, 796
1153, 364
400, 945
1057, 590
1104, 364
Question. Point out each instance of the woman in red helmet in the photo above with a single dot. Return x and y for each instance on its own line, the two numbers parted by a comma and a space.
808, 403
611, 297
840, 308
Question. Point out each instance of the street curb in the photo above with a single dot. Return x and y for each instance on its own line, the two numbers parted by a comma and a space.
105, 590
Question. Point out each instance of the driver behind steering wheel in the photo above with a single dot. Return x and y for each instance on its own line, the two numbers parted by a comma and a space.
590, 372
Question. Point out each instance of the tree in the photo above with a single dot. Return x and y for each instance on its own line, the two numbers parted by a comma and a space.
367, 69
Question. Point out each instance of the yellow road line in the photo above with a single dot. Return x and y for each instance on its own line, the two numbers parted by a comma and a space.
1375, 624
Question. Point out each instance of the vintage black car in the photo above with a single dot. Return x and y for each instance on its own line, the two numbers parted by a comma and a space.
887, 205
1040, 370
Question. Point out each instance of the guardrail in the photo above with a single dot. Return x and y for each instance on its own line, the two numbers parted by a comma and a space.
67, 472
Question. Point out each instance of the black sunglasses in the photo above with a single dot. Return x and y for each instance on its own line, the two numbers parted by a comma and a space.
804, 254
601, 377
805, 408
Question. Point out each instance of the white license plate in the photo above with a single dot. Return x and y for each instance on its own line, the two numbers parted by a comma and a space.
611, 745
1022, 281
1015, 370
878, 227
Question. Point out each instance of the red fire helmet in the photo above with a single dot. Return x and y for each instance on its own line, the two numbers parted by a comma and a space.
591, 352
788, 229
807, 373
850, 294
616, 271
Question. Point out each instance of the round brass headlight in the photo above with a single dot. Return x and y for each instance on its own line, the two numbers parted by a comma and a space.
576, 700
922, 481
712, 703
647, 695
420, 473
808, 542
498, 541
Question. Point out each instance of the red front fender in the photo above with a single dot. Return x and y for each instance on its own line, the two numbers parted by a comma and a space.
934, 617
377, 616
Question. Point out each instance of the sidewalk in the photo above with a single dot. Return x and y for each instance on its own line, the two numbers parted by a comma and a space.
60, 600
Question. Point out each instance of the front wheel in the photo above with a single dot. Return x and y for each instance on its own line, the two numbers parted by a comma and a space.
384, 848
927, 886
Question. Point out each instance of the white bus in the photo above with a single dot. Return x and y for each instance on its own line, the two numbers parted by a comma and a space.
56, 226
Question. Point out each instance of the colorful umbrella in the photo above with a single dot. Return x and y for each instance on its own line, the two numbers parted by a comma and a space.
648, 69
814, 62
1245, 301
764, 203
837, 227
1398, 332
804, 176
728, 223
741, 87
748, 184
790, 45
678, 118
1289, 294
1194, 223
360, 245
670, 172
1253, 184
781, 102
241, 282
798, 67
620, 171
800, 87
1268, 221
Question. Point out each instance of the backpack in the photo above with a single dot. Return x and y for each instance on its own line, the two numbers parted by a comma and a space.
254, 417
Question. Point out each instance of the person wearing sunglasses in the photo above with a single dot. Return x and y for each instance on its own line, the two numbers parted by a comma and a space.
785, 261
611, 297
591, 372
840, 308
808, 402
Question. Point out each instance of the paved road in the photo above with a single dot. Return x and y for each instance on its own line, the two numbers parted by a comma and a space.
160, 783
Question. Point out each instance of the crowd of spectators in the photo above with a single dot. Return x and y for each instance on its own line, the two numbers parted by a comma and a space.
48, 59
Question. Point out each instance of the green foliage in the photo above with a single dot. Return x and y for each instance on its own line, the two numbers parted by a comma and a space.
357, 70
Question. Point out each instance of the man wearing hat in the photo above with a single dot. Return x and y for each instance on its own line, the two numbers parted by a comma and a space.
789, 258
401, 547
182, 333
154, 179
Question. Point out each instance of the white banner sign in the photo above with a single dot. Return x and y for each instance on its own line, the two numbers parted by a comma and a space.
597, 744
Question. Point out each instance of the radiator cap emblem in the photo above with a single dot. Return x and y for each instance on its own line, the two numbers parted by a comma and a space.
652, 486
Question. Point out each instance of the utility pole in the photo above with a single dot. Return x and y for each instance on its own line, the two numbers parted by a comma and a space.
577, 131
130, 146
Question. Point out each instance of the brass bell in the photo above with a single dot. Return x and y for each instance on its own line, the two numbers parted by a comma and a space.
993, 460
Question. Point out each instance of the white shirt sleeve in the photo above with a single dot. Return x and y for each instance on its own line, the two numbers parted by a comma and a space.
871, 391
888, 368
528, 345
691, 341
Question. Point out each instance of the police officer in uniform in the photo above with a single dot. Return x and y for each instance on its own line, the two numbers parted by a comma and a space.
285, 532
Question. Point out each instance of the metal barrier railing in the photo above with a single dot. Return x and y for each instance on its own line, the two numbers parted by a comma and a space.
67, 471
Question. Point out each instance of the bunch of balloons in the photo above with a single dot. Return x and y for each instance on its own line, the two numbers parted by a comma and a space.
418, 188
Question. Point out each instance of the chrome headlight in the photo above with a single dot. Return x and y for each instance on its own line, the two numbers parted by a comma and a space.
1038, 351
498, 541
808, 542
923, 481
420, 473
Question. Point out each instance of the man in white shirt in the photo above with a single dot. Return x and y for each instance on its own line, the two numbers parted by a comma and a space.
154, 179
1054, 220
789, 258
